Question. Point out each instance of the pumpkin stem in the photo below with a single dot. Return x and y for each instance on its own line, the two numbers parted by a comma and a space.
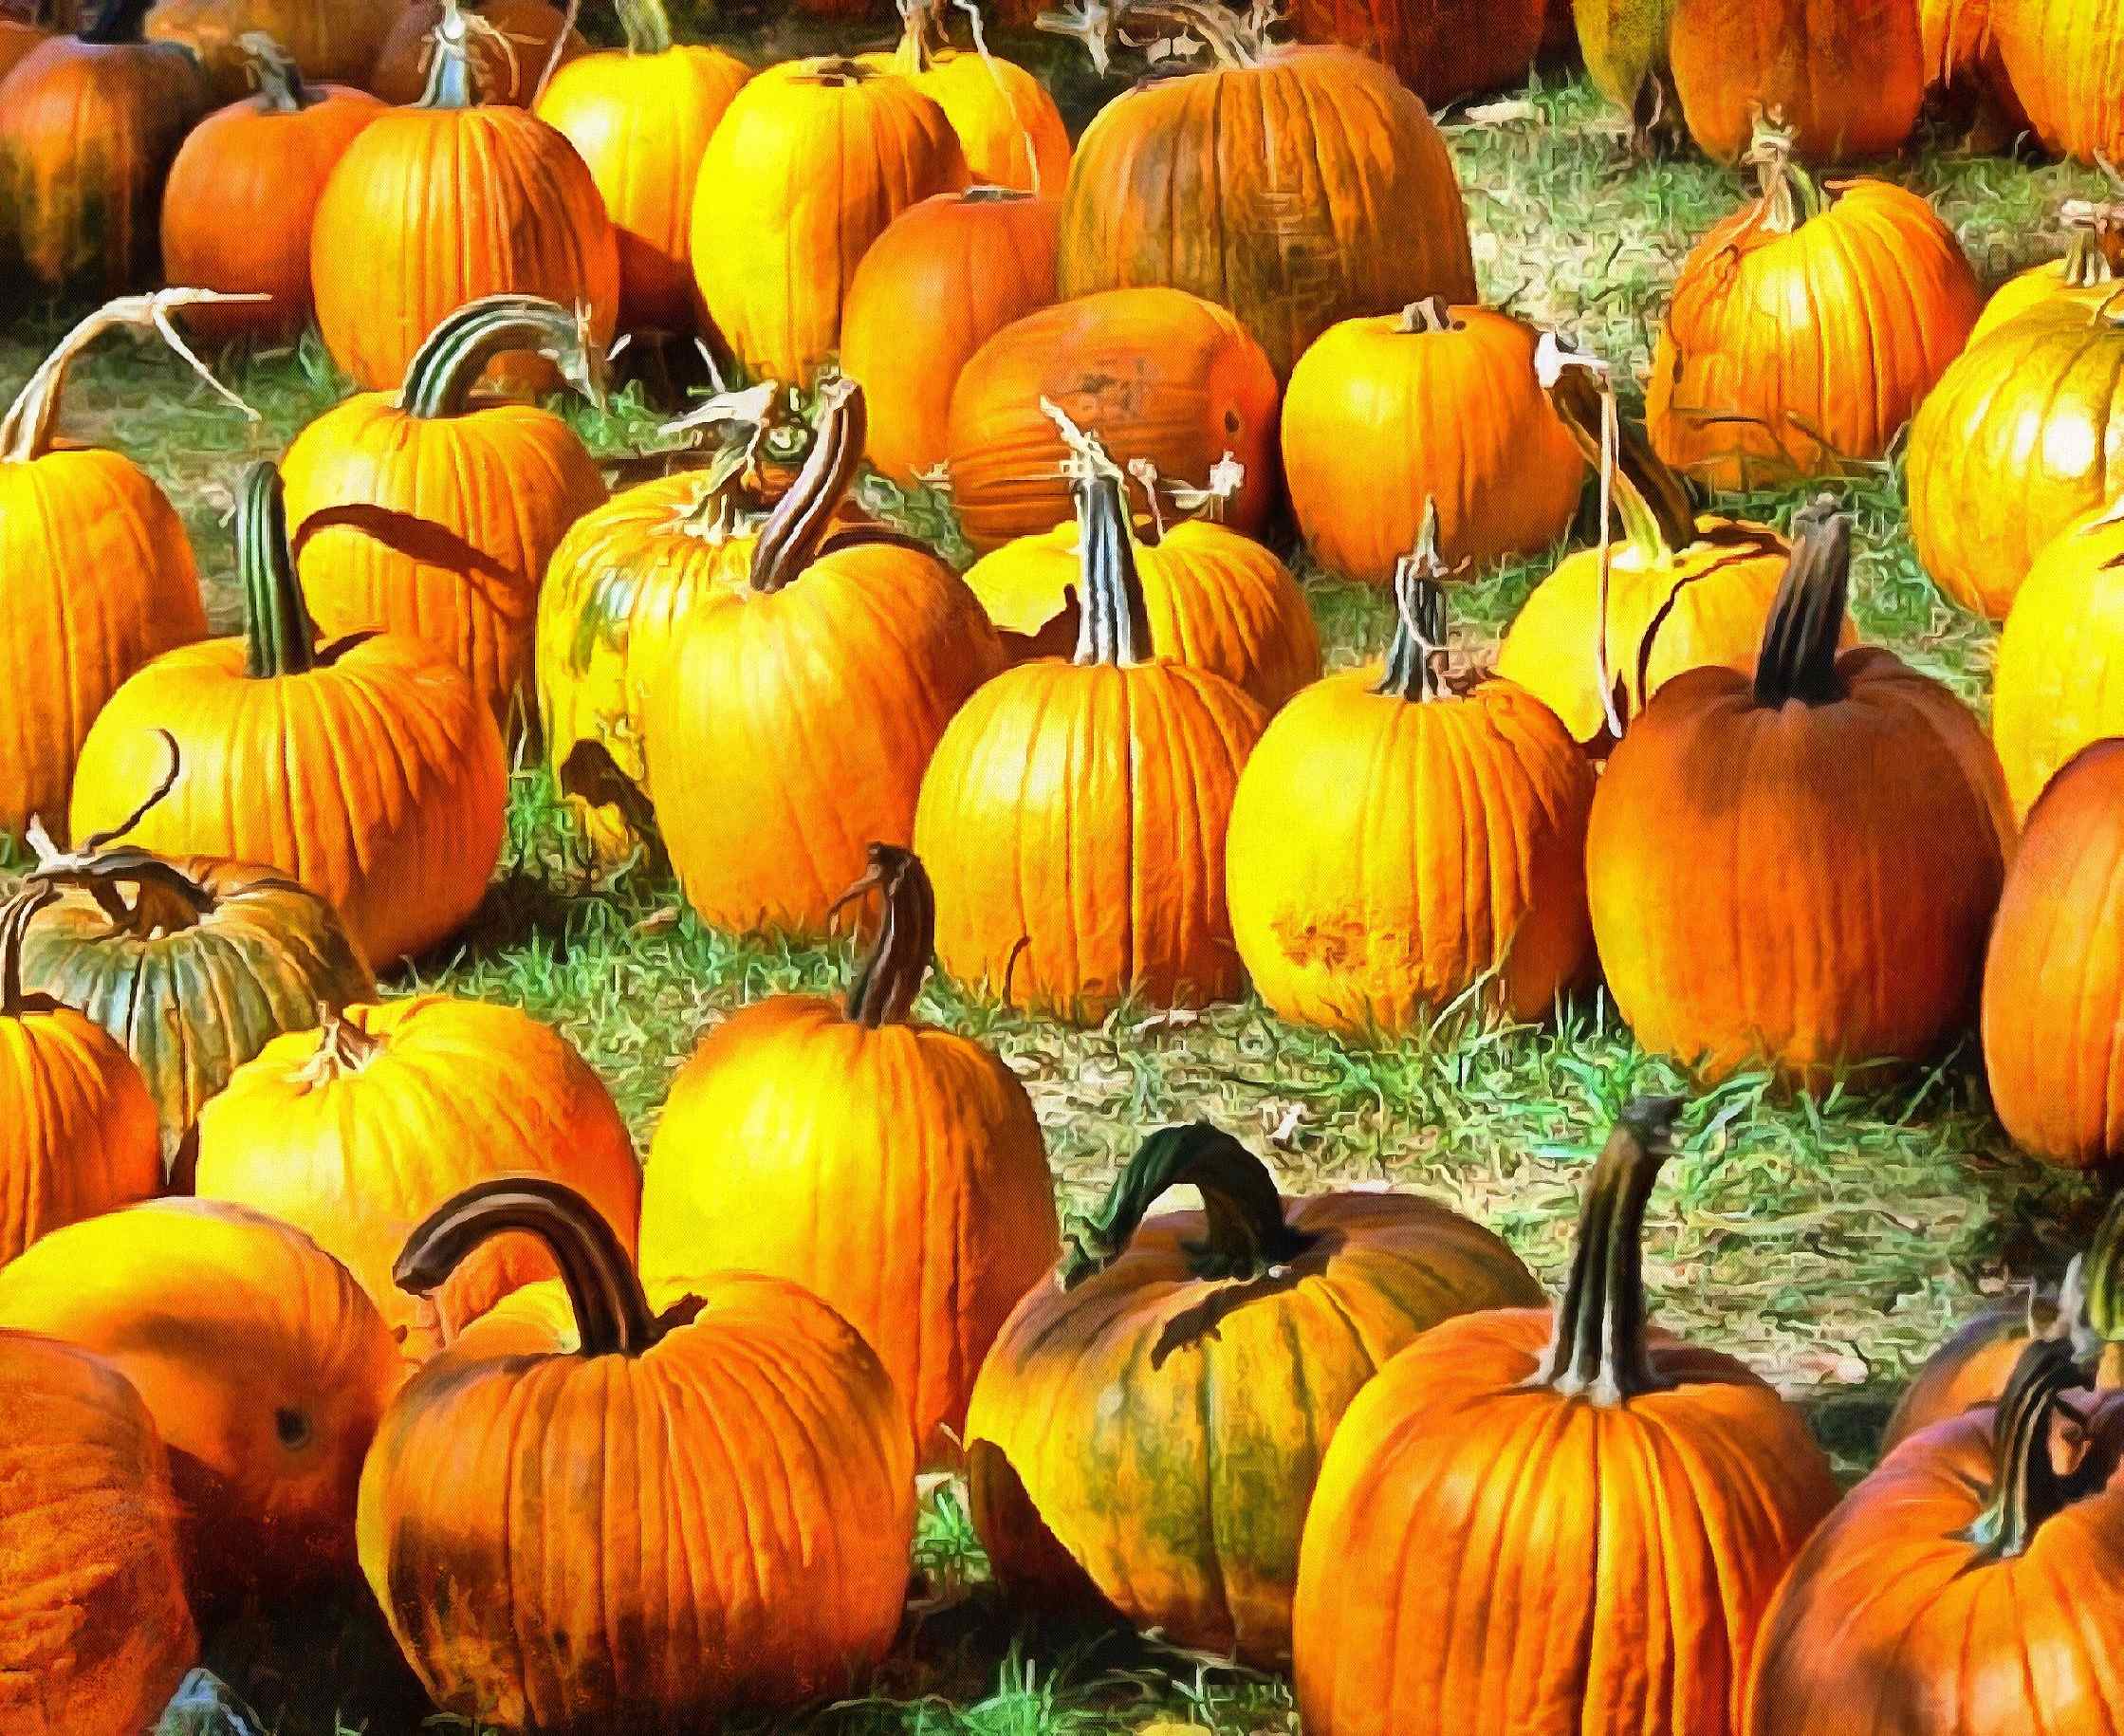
790, 538
280, 80
1432, 314
15, 918
2028, 1489
342, 1047
1416, 656
646, 25
1248, 1237
1790, 195
1114, 625
2095, 227
1799, 656
279, 637
1650, 500
440, 377
1597, 1348
452, 83
1234, 43
888, 980
2101, 1277
834, 70
922, 35
612, 1315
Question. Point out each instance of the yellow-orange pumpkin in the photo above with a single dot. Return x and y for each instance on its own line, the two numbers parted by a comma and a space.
1007, 125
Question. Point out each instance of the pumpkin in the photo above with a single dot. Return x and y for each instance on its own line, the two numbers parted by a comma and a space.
354, 1134
445, 202
2055, 685
1437, 409
744, 1536
511, 43
98, 1632
1625, 45
1965, 71
88, 126
1682, 592
808, 165
67, 512
1148, 1427
893, 1169
364, 768
1582, 1519
1296, 186
1007, 125
943, 278
264, 1365
1945, 1594
243, 195
1805, 328
1846, 76
79, 1126
17, 37
1159, 375
861, 644
642, 120
1402, 839
2087, 271
2065, 61
1442, 49
204, 965
425, 517
1074, 815
332, 41
2018, 440
1878, 798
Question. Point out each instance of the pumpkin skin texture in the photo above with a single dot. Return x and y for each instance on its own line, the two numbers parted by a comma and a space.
1441, 52
507, 75
366, 771
641, 119
1156, 375
65, 512
1583, 1519
264, 1365
424, 517
1973, 1366
1387, 416
2017, 440
1805, 329
332, 41
1131, 1416
2065, 60
808, 165
1302, 188
1875, 792
1007, 125
1396, 836
943, 278
2057, 684
354, 1134
753, 1455
97, 1630
893, 1169
16, 40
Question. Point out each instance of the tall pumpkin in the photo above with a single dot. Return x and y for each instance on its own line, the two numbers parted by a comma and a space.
2086, 271
1805, 329
1583, 1519
1008, 127
1872, 788
743, 1538
808, 165
789, 727
69, 515
332, 41
511, 42
1147, 1430
439, 204
1296, 186
2065, 60
1401, 838
421, 515
1442, 49
363, 768
893, 1169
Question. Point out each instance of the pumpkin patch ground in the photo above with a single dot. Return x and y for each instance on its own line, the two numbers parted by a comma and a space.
1829, 1235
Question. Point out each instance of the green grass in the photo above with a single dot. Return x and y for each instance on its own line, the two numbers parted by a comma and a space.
1830, 1243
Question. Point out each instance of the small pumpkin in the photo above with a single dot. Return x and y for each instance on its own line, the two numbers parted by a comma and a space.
425, 517
1875, 793
511, 43
2086, 272
745, 1538
262, 1362
332, 41
363, 768
1389, 417
1583, 1519
1012, 134
1402, 839
97, 1632
1147, 1430
1805, 329
1442, 49
2065, 61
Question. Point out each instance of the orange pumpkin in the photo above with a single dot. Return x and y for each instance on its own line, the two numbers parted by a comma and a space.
330, 40
943, 278
2065, 61
1442, 49
1582, 1519
741, 1536
1008, 127
421, 515
17, 37
511, 43
2087, 272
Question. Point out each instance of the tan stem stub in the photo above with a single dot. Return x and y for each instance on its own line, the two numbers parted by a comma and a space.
343, 1047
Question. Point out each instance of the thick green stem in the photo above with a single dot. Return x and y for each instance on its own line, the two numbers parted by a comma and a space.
280, 80
646, 25
888, 980
1114, 622
2027, 1490
2101, 1276
1799, 656
279, 637
1416, 654
448, 366
796, 527
1790, 196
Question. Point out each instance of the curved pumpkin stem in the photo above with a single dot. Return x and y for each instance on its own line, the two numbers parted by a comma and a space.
791, 538
888, 980
1790, 195
1799, 656
2028, 1491
440, 377
1597, 1348
1415, 668
280, 80
646, 25
1248, 1235
612, 1315
279, 637
342, 1047
15, 918
1650, 499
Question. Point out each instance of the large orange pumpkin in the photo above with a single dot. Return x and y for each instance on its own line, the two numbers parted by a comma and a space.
613, 1520
364, 768
2086, 271
1442, 49
418, 515
2065, 61
1008, 127
1872, 788
330, 40
355, 1132
1582, 1519
1146, 1431
511, 43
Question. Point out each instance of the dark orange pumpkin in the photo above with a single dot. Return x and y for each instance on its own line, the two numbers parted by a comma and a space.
330, 40
511, 43
1442, 49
